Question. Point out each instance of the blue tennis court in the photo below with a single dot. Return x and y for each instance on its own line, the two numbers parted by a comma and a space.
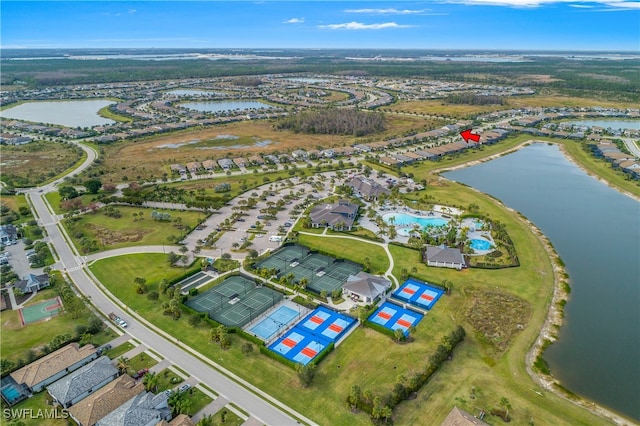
392, 316
327, 323
274, 322
300, 346
418, 293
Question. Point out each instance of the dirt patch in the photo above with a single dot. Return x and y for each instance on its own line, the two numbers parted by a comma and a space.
109, 237
538, 78
497, 317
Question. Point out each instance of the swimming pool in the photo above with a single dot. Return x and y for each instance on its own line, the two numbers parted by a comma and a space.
409, 219
478, 244
11, 394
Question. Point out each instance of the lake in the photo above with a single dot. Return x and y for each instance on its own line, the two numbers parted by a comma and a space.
194, 92
64, 113
221, 106
613, 124
596, 230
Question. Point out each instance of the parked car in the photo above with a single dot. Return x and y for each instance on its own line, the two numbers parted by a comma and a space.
103, 349
140, 373
184, 387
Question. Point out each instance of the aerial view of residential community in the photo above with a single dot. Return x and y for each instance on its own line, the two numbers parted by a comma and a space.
320, 212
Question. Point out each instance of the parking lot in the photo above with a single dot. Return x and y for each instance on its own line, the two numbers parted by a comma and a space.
252, 219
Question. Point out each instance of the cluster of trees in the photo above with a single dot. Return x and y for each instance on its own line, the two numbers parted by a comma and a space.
470, 98
160, 216
381, 407
334, 121
220, 335
8, 216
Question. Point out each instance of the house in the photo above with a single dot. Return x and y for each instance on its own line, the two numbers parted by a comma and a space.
144, 409
32, 283
458, 417
94, 407
338, 216
367, 189
46, 370
225, 163
193, 167
444, 257
209, 165
79, 384
389, 161
240, 162
301, 155
179, 420
8, 234
366, 287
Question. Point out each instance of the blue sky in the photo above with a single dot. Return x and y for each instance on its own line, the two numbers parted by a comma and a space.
438, 24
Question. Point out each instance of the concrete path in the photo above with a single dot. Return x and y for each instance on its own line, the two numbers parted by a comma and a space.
210, 409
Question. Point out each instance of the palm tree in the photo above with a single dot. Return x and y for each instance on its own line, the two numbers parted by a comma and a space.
399, 333
504, 402
150, 382
123, 364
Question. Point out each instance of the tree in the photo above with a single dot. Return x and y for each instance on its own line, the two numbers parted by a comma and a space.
306, 373
504, 403
399, 333
67, 192
206, 421
150, 382
93, 185
355, 396
123, 364
246, 349
363, 314
141, 285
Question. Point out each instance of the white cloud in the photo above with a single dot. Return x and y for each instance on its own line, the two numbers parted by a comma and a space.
621, 4
581, 6
132, 11
361, 26
390, 11
294, 21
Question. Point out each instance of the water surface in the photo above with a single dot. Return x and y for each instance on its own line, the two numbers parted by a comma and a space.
596, 231
225, 106
613, 124
64, 113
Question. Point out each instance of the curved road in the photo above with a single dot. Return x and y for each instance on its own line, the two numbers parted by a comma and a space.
263, 407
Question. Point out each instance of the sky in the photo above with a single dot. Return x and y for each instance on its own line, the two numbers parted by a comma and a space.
605, 25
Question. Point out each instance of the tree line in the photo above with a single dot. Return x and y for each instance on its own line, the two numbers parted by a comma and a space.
334, 121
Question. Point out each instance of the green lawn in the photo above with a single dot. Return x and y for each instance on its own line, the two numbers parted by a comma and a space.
167, 379
54, 200
371, 360
140, 361
129, 230
17, 340
198, 399
34, 404
350, 249
116, 352
231, 418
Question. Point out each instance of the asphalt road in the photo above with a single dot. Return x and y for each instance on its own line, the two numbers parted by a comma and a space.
229, 389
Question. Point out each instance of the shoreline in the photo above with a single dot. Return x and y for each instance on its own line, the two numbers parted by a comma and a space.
554, 317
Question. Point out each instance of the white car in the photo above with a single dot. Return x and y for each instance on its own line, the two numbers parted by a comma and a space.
122, 323
184, 387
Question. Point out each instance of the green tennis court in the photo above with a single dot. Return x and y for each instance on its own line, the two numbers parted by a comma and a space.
40, 311
322, 272
236, 301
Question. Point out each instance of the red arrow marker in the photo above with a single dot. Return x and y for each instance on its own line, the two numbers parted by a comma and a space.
466, 135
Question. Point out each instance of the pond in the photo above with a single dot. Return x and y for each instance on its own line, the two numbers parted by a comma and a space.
222, 106
606, 124
595, 229
64, 113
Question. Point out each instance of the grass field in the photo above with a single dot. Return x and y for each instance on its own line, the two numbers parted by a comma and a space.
36, 162
372, 361
165, 378
55, 199
353, 250
198, 399
140, 361
440, 107
17, 340
113, 233
14, 202
36, 403
231, 418
144, 158
116, 352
